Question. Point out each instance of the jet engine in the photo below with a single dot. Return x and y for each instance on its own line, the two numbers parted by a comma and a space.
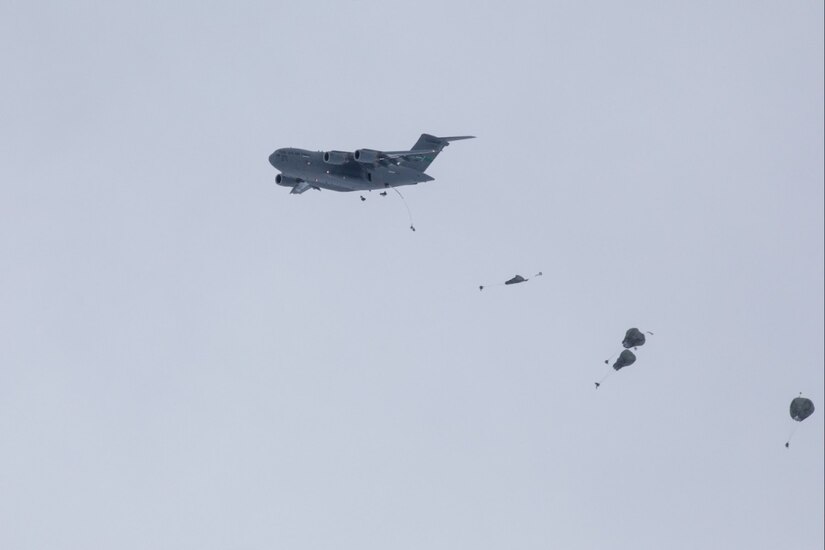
286, 181
367, 156
336, 157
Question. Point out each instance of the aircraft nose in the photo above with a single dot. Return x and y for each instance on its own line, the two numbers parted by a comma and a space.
272, 158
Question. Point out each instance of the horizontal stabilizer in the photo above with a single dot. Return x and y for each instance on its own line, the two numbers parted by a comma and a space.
300, 188
407, 154
455, 138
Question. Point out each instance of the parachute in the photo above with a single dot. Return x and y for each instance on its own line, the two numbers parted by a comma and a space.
626, 358
515, 280
801, 408
634, 338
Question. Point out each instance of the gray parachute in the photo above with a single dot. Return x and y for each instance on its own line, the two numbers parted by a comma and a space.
625, 359
514, 280
801, 408
633, 338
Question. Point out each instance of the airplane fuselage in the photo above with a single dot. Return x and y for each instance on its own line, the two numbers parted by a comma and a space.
302, 166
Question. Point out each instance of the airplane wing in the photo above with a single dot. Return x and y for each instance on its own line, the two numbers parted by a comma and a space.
300, 188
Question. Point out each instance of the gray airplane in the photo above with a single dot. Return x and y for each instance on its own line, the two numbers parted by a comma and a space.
362, 170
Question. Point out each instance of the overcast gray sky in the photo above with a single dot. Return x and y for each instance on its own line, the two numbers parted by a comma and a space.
192, 358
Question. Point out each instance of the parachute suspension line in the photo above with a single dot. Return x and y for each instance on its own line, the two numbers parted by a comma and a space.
409, 213
482, 287
793, 430
599, 383
609, 359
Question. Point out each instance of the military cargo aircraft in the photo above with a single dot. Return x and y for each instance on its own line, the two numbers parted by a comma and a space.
361, 170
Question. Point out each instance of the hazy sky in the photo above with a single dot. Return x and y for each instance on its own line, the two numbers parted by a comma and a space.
190, 357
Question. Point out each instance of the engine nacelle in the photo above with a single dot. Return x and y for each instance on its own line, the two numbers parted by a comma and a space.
336, 157
367, 156
286, 181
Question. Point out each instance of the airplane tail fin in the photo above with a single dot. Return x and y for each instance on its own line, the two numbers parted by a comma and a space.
436, 144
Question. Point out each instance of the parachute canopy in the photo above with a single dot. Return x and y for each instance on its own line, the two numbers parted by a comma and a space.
633, 338
801, 408
625, 359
